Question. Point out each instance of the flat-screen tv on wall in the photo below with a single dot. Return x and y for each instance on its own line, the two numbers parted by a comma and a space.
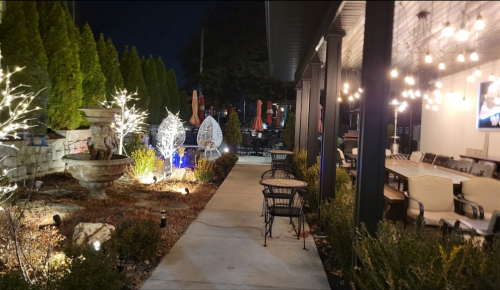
488, 115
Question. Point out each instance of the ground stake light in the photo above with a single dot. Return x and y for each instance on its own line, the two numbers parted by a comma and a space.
163, 223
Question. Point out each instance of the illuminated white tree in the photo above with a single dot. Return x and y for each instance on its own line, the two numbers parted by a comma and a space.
17, 103
171, 135
129, 120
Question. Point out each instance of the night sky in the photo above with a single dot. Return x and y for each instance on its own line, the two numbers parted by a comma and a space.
154, 27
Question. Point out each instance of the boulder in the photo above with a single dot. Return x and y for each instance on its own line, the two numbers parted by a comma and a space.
87, 233
178, 174
189, 176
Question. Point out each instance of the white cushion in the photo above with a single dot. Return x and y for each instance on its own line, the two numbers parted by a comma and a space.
354, 150
436, 193
484, 191
416, 156
433, 218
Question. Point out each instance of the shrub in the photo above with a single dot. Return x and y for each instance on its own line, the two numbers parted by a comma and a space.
144, 163
233, 130
342, 179
299, 164
159, 164
224, 164
396, 259
312, 179
138, 240
204, 170
13, 280
135, 143
289, 137
90, 269
337, 220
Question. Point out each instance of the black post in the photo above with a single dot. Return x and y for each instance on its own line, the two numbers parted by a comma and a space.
298, 111
374, 114
331, 116
304, 114
312, 142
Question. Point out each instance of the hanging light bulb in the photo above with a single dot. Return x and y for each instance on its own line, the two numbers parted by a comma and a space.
474, 56
462, 34
356, 95
439, 84
360, 90
411, 94
428, 57
339, 99
461, 58
409, 80
418, 94
346, 86
405, 94
346, 91
428, 107
430, 101
492, 77
450, 95
447, 31
479, 24
478, 72
394, 73
471, 78
435, 107
426, 96
441, 66
438, 99
395, 102
351, 98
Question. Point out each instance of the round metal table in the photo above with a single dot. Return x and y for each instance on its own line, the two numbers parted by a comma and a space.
284, 183
281, 152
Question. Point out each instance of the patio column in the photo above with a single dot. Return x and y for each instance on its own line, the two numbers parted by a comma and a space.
374, 113
331, 116
298, 109
304, 112
312, 141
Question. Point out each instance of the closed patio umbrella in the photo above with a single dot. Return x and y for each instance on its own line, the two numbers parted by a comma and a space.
278, 119
202, 109
211, 111
257, 125
320, 124
269, 112
194, 105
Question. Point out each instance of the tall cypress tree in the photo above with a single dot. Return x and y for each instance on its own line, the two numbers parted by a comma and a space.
162, 81
133, 78
184, 105
63, 68
110, 66
151, 79
93, 79
173, 92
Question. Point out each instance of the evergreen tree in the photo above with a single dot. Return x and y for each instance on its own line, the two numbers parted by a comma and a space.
173, 92
33, 33
184, 106
110, 66
64, 67
151, 79
143, 62
133, 79
162, 81
93, 79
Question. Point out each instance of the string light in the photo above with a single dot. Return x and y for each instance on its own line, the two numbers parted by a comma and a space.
428, 58
479, 24
405, 94
474, 56
351, 98
426, 96
356, 95
435, 107
462, 34
441, 66
339, 99
394, 73
439, 84
471, 78
478, 72
418, 94
492, 77
461, 57
360, 90
447, 31
346, 86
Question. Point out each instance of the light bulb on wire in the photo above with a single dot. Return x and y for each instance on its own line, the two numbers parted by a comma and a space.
346, 86
471, 78
492, 77
447, 31
428, 57
404, 94
478, 72
356, 95
339, 99
474, 56
479, 24
439, 84
461, 58
411, 94
462, 34
351, 98
426, 96
346, 91
360, 90
394, 73
441, 66
428, 107
418, 94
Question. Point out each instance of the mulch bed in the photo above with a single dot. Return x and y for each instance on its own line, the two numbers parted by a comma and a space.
121, 204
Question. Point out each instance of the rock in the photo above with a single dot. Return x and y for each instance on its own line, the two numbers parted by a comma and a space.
139, 195
143, 203
178, 174
58, 192
177, 206
88, 233
189, 176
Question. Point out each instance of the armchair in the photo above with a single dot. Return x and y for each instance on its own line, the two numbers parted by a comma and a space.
484, 194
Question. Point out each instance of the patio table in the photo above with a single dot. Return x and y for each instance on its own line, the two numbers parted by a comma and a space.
284, 183
281, 152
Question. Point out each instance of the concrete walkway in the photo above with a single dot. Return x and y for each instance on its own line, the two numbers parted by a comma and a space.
223, 247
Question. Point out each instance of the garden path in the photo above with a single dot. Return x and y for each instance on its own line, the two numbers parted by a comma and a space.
223, 247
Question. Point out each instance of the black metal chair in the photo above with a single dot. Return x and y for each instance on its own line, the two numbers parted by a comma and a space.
271, 143
429, 158
442, 160
274, 174
246, 145
281, 161
285, 202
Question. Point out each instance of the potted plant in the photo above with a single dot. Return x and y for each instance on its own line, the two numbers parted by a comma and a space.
232, 135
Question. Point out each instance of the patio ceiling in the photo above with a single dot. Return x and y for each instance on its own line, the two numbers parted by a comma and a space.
290, 40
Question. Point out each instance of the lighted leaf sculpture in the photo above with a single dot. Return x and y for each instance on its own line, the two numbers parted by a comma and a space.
209, 135
171, 135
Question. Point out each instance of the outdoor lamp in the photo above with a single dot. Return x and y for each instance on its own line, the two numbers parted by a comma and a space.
428, 57
163, 219
471, 78
339, 99
439, 84
346, 91
479, 24
441, 66
405, 94
97, 245
226, 149
435, 107
492, 77
394, 73
462, 34
360, 90
346, 86
447, 31
478, 72
356, 95
426, 96
418, 94
38, 184
428, 107
351, 98
461, 58
121, 262
474, 56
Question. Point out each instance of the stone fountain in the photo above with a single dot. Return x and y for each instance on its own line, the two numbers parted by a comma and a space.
98, 169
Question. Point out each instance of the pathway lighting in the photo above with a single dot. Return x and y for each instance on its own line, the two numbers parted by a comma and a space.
163, 219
